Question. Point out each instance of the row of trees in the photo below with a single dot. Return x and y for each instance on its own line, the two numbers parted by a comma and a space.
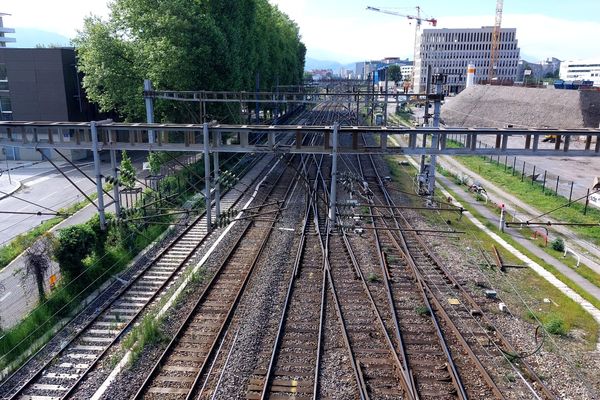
185, 45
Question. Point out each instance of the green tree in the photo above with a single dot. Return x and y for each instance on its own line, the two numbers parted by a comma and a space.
155, 159
394, 73
74, 244
100, 235
185, 45
128, 174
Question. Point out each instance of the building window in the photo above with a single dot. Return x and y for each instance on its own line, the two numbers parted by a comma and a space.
5, 109
3, 77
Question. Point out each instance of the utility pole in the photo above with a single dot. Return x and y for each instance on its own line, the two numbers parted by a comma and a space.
257, 105
207, 176
333, 191
149, 108
217, 143
437, 108
385, 109
115, 171
98, 172
426, 114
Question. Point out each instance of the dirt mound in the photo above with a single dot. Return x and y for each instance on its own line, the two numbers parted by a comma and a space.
500, 106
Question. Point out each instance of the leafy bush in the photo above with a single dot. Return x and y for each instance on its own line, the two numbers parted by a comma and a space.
74, 244
558, 244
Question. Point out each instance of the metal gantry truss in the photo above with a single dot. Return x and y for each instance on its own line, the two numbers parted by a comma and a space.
236, 139
217, 138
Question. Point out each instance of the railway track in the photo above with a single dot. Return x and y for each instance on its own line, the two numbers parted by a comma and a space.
424, 347
438, 287
293, 364
58, 376
179, 369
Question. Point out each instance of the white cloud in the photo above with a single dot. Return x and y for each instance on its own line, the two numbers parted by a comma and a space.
541, 36
372, 35
64, 17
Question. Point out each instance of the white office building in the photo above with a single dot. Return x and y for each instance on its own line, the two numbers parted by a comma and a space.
582, 70
406, 71
449, 51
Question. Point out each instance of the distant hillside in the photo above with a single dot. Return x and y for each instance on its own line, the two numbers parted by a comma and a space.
312, 63
31, 37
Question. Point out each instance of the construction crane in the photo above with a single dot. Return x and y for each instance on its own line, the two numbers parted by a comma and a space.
418, 20
495, 40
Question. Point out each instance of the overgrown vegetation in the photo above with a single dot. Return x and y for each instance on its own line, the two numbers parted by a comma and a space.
21, 242
89, 256
558, 244
148, 332
422, 311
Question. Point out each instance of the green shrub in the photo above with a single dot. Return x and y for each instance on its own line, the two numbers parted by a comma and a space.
74, 244
556, 326
558, 244
422, 311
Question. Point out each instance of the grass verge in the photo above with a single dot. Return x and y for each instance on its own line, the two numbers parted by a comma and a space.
21, 242
532, 194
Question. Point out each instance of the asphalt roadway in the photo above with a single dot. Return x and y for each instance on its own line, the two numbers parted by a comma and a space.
39, 183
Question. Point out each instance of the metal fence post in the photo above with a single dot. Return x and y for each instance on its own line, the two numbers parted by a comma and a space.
544, 184
514, 165
557, 180
523, 172
533, 175
587, 201
570, 194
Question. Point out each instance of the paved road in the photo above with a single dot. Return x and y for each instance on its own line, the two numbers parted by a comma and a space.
42, 185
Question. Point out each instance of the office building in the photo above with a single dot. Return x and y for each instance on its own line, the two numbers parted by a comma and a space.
41, 85
581, 70
449, 51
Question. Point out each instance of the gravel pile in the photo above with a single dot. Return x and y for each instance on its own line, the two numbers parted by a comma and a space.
499, 106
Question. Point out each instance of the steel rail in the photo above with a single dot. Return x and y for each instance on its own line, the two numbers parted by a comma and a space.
121, 293
456, 379
286, 305
424, 289
172, 346
473, 304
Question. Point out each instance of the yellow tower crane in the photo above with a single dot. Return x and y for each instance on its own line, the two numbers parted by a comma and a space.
495, 41
418, 20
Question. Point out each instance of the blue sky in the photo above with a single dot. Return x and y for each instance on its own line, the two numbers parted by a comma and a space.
344, 31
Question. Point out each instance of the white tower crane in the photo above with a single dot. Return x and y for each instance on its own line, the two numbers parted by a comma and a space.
495, 40
418, 20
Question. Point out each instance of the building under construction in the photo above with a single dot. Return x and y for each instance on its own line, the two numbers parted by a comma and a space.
449, 51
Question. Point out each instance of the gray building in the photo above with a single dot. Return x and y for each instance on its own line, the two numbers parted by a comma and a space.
449, 51
537, 71
41, 84
3, 31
